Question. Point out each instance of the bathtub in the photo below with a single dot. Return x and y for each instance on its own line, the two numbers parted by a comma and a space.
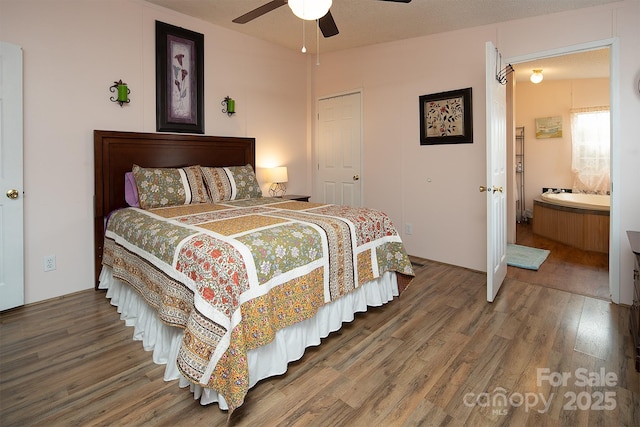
575, 219
579, 200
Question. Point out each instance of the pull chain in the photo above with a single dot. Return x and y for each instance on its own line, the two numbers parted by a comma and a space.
317, 42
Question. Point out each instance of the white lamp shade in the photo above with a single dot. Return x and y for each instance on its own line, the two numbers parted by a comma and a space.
278, 174
536, 77
310, 10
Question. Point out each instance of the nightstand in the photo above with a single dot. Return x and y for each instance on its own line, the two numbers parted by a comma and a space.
297, 197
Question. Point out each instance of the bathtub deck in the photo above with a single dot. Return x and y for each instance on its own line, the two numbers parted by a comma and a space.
583, 229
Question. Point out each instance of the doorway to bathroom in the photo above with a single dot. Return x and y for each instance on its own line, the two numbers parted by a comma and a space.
571, 80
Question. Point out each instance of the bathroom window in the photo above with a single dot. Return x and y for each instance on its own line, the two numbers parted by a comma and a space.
591, 146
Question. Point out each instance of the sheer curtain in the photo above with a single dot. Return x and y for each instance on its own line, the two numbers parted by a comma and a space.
590, 139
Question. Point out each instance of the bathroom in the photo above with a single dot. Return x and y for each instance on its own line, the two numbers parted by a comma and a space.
544, 110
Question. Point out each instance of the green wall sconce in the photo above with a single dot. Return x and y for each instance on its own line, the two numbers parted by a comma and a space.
229, 105
122, 92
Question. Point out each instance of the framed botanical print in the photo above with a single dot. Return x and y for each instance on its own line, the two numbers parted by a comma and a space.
446, 118
179, 79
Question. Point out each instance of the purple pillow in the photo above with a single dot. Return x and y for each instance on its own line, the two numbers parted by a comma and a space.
131, 190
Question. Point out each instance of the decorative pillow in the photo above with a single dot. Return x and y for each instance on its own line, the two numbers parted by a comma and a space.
244, 182
130, 190
169, 186
231, 183
196, 183
218, 184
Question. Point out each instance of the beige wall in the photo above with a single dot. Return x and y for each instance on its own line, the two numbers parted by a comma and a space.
89, 44
548, 161
434, 188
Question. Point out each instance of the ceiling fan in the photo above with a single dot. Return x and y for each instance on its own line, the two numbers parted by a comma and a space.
325, 21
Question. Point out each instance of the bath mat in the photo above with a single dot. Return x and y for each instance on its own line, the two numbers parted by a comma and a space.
526, 257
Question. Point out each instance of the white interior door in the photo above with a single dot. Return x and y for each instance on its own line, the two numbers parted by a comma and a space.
339, 150
496, 175
11, 209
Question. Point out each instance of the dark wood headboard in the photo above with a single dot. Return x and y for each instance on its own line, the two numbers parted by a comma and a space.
115, 153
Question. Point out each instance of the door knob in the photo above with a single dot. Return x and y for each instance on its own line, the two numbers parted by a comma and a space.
498, 189
13, 194
356, 177
483, 189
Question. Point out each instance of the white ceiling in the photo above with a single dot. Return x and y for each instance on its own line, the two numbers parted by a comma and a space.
367, 22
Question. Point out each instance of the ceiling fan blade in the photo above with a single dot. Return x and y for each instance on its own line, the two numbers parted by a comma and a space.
398, 1
259, 11
328, 25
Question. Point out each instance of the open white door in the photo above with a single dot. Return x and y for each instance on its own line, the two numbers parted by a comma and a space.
11, 208
339, 150
496, 175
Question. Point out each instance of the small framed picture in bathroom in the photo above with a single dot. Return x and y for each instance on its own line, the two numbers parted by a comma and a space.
549, 127
446, 118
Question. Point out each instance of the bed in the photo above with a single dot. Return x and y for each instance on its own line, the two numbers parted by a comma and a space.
226, 287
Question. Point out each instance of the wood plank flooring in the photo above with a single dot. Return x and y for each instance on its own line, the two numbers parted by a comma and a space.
566, 268
438, 355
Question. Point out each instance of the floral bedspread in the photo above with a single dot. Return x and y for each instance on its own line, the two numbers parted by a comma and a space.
233, 274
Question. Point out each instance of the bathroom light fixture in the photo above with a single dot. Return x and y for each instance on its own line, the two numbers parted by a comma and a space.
278, 176
310, 10
123, 92
536, 77
229, 105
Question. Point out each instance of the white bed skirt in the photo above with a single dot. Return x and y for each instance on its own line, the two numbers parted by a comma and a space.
267, 361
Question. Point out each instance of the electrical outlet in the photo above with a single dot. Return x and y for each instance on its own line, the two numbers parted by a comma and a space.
49, 263
408, 228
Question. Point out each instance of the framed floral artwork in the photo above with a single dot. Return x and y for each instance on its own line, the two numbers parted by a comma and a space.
179, 79
446, 118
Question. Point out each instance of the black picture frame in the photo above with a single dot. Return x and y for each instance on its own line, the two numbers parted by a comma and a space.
179, 79
446, 118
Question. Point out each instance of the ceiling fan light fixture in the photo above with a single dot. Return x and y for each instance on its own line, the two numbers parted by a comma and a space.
310, 10
536, 77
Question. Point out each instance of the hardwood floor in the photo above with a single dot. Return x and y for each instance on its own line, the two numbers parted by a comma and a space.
566, 268
440, 354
